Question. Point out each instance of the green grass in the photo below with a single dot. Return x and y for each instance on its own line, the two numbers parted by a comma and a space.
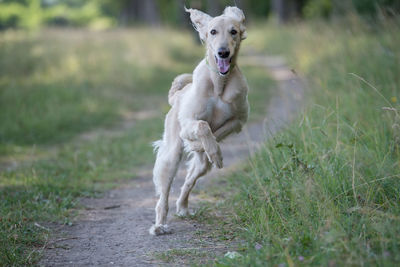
184, 255
55, 84
261, 88
57, 87
326, 191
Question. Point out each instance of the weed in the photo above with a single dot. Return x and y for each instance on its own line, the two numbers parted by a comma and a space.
325, 191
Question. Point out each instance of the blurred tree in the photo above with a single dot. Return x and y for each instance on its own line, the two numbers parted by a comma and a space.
140, 11
182, 17
287, 10
32, 14
172, 12
317, 9
371, 7
255, 8
213, 7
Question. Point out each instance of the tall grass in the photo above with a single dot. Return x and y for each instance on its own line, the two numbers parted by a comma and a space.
326, 191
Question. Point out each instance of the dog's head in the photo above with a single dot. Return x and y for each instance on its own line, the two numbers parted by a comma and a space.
222, 34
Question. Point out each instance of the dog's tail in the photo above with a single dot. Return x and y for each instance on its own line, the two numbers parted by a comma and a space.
178, 84
156, 145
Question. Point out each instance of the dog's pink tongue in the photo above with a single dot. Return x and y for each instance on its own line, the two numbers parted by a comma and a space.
223, 65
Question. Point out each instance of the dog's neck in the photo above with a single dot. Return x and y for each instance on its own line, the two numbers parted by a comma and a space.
219, 81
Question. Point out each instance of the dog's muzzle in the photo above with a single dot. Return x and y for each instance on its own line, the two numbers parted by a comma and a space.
223, 60
223, 65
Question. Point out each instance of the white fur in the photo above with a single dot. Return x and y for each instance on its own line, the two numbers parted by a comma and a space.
206, 107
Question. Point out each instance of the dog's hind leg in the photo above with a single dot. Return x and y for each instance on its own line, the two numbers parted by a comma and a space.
168, 157
199, 165
165, 168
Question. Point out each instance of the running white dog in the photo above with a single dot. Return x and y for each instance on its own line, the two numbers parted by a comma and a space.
206, 107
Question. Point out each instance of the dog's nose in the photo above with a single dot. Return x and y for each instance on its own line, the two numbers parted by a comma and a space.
223, 52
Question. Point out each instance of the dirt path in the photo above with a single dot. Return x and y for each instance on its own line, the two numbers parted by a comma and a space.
113, 230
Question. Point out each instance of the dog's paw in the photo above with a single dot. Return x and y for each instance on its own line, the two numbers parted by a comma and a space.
216, 158
160, 230
182, 212
217, 161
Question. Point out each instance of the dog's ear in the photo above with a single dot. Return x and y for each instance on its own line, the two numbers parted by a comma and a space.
200, 21
237, 14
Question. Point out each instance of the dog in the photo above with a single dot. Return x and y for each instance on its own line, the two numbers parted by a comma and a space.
206, 107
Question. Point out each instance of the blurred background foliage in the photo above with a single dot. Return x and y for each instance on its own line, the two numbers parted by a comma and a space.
103, 14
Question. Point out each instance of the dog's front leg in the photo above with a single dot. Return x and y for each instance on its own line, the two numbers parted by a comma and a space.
200, 130
231, 126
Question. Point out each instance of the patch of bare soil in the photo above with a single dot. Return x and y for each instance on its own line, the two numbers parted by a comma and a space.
113, 230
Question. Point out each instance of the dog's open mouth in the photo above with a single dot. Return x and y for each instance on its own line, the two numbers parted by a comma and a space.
223, 64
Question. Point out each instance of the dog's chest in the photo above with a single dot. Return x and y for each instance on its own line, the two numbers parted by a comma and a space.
218, 112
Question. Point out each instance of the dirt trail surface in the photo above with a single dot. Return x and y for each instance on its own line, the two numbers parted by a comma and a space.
113, 230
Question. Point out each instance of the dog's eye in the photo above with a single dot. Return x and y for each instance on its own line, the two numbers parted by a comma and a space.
233, 32
213, 32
